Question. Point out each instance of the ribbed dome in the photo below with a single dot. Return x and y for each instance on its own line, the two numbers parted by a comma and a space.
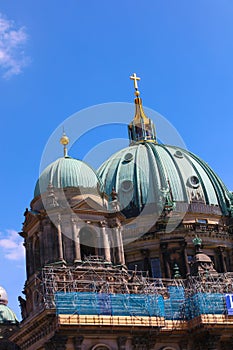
7, 315
145, 173
68, 172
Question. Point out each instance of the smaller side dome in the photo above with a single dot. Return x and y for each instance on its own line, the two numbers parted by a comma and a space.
68, 172
7, 315
3, 296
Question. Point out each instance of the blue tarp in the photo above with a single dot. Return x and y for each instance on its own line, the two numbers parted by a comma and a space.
176, 307
88, 303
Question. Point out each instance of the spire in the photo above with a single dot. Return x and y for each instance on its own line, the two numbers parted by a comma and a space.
142, 128
64, 140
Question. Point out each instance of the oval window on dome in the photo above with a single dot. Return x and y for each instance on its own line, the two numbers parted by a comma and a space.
126, 185
178, 154
128, 157
193, 181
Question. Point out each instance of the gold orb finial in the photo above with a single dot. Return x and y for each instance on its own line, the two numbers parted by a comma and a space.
137, 93
64, 140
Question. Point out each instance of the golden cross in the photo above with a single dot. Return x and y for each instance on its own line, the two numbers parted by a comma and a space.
135, 79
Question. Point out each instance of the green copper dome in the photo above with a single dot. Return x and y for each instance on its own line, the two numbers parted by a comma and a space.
68, 172
7, 315
147, 172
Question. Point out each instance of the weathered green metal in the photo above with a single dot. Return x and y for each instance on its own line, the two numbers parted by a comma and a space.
142, 172
67, 172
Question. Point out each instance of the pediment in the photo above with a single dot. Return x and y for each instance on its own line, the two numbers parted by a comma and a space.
88, 204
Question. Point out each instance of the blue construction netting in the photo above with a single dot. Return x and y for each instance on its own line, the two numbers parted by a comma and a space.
205, 303
177, 307
88, 303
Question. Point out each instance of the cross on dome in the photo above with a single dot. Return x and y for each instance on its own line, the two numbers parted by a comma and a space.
135, 79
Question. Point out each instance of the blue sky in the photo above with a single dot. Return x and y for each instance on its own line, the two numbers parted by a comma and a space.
58, 57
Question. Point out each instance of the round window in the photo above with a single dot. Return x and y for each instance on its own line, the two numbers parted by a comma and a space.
178, 154
194, 181
128, 157
126, 185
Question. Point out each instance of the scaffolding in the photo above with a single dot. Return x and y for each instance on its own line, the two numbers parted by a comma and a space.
97, 288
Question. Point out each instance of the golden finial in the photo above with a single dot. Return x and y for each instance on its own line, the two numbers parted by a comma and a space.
64, 140
135, 79
142, 128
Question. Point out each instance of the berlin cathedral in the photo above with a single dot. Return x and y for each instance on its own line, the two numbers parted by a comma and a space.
135, 255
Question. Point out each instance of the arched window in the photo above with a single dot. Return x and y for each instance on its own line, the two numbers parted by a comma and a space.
100, 347
88, 243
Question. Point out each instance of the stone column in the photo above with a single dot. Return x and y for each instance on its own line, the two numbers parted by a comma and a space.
220, 251
146, 261
40, 235
120, 245
59, 236
47, 241
76, 239
167, 271
184, 250
106, 245
78, 342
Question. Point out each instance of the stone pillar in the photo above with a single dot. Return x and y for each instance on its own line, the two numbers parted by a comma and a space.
106, 245
167, 271
59, 236
184, 250
46, 223
146, 261
40, 235
78, 342
27, 244
120, 245
220, 251
76, 239
121, 342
